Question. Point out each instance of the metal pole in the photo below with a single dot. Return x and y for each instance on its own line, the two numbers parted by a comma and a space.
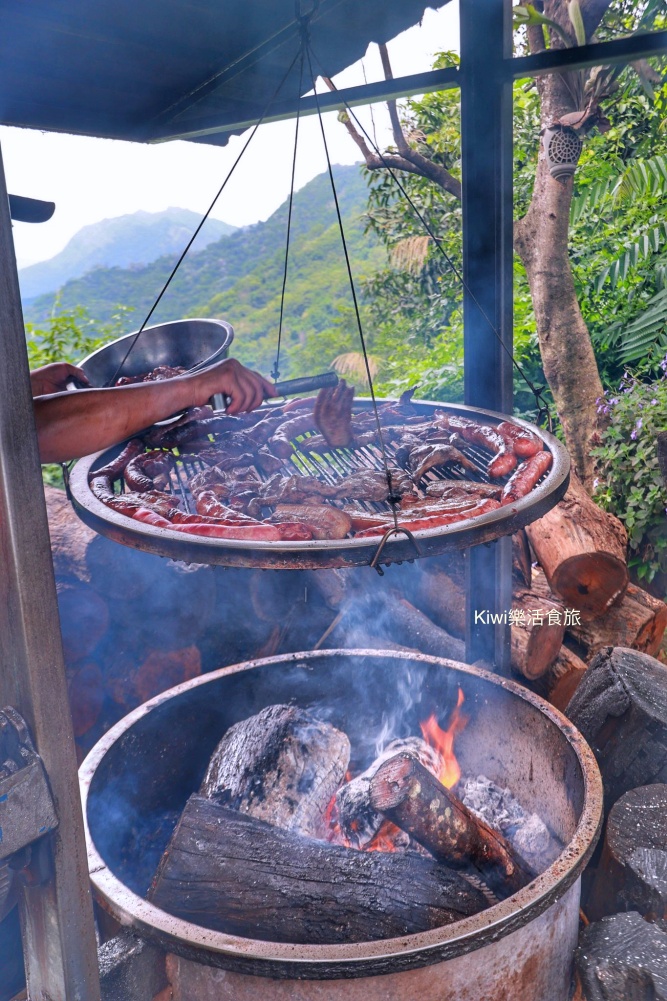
56, 910
486, 151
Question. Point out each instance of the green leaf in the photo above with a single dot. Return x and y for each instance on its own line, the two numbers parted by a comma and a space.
574, 10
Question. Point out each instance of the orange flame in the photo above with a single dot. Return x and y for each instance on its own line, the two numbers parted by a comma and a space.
443, 742
384, 839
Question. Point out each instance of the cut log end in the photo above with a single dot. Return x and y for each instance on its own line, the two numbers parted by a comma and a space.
591, 582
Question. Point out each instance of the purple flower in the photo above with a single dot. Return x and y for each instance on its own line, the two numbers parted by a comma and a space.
633, 435
639, 423
613, 401
654, 401
596, 483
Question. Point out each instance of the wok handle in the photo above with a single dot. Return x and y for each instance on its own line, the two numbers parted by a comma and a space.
309, 383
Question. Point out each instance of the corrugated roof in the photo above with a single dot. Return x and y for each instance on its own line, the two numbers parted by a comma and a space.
148, 69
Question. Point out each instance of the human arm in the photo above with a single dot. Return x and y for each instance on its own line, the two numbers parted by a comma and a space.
70, 425
54, 378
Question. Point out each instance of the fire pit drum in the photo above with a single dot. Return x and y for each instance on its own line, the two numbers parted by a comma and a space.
137, 779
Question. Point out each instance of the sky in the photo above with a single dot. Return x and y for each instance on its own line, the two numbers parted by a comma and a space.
95, 179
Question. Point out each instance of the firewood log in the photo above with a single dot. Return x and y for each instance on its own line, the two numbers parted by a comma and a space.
623, 958
632, 874
522, 570
413, 799
638, 621
405, 624
70, 538
621, 709
564, 677
84, 619
535, 640
163, 669
85, 687
443, 599
236, 874
582, 551
282, 765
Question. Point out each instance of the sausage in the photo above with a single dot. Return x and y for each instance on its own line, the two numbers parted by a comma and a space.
474, 433
149, 471
526, 476
114, 469
434, 520
524, 442
252, 530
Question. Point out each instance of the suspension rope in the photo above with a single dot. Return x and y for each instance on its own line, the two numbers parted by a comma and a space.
540, 402
276, 370
393, 500
205, 217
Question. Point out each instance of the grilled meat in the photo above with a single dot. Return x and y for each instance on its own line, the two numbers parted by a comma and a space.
333, 413
425, 457
325, 522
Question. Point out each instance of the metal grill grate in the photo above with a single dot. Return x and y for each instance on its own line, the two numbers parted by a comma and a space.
332, 467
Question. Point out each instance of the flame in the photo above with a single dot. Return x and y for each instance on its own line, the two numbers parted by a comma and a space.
384, 839
443, 742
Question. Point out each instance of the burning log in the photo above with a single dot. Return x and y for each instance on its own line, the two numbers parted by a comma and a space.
632, 875
537, 633
623, 958
239, 875
413, 799
582, 551
621, 709
638, 621
359, 822
282, 766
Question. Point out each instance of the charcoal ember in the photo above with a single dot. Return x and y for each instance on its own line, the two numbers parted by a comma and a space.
358, 821
282, 766
497, 807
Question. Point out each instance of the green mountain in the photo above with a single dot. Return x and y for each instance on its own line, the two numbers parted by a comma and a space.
239, 279
127, 240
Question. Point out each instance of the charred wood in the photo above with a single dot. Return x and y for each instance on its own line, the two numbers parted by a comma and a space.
413, 799
621, 709
239, 875
282, 766
632, 875
582, 551
623, 958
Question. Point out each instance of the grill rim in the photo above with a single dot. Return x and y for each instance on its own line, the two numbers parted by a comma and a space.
352, 960
327, 553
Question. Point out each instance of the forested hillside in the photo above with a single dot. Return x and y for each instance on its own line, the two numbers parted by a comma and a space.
239, 278
127, 240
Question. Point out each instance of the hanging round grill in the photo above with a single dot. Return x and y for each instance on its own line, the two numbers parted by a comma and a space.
329, 467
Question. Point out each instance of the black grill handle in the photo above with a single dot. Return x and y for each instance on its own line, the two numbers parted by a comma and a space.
308, 384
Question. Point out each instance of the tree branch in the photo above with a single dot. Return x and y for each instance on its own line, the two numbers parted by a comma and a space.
592, 12
407, 160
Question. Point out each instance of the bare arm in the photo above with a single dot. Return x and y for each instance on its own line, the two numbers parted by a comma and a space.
70, 425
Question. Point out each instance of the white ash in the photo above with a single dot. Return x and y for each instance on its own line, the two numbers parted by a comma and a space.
527, 832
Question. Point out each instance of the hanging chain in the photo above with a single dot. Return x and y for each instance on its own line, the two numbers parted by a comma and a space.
276, 369
205, 217
393, 499
542, 405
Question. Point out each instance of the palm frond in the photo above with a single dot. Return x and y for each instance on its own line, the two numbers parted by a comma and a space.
352, 365
649, 242
642, 333
410, 254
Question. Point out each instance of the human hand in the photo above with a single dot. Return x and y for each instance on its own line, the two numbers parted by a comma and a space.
54, 378
246, 389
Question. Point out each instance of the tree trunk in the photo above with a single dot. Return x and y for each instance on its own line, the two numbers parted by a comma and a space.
564, 677
239, 875
581, 549
632, 875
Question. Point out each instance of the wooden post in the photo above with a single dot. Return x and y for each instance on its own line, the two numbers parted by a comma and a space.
56, 916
